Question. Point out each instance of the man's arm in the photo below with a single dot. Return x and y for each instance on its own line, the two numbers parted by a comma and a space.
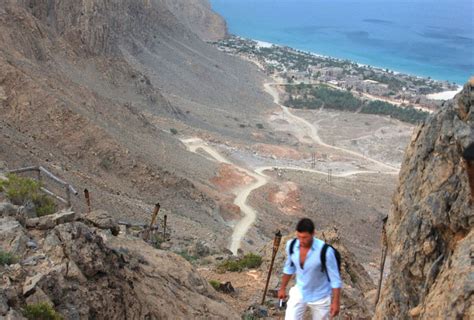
335, 302
335, 280
284, 282
288, 270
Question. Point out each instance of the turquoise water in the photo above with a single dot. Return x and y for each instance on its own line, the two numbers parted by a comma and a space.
425, 38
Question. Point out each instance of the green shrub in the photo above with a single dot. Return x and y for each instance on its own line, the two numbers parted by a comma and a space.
173, 131
157, 240
187, 256
248, 261
409, 114
105, 163
314, 97
259, 126
6, 258
44, 205
41, 311
21, 190
215, 284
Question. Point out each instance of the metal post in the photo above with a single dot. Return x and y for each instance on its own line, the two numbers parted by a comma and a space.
164, 227
88, 200
153, 219
276, 245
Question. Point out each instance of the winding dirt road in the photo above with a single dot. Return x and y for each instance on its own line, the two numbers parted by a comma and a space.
242, 193
260, 179
312, 132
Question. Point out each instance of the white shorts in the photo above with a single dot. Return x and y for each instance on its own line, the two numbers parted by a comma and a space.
295, 307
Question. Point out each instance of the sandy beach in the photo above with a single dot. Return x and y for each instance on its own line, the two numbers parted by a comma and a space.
445, 95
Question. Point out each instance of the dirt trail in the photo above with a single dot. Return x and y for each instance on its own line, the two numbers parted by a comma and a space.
242, 193
241, 228
310, 130
304, 130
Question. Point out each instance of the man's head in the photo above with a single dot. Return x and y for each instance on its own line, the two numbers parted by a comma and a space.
305, 232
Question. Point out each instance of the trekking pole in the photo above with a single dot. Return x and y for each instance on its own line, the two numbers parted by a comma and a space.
382, 259
276, 245
164, 227
153, 219
88, 199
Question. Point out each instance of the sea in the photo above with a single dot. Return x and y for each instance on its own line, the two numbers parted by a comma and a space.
427, 38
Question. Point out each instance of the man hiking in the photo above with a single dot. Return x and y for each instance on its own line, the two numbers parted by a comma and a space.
318, 282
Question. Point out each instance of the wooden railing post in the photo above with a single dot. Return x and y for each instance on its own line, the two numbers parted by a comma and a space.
153, 219
165, 218
88, 200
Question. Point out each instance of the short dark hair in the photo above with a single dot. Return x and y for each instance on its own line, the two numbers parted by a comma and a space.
305, 225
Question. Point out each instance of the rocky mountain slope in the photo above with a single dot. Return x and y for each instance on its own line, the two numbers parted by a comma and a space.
90, 89
430, 228
75, 264
199, 18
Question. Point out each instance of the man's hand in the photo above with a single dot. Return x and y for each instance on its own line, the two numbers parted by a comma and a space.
335, 303
334, 311
282, 293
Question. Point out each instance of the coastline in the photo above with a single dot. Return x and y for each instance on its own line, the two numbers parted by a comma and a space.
442, 95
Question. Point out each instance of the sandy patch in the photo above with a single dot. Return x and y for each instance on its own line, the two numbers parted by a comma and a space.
287, 197
229, 178
278, 152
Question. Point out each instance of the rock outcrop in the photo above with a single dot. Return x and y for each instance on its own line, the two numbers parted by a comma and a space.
430, 226
197, 15
85, 272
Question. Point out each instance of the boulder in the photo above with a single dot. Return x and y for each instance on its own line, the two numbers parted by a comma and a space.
51, 220
30, 283
28, 210
199, 249
103, 220
3, 304
13, 238
14, 315
8, 210
39, 297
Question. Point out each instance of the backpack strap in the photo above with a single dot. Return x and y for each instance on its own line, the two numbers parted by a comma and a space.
337, 255
323, 260
292, 247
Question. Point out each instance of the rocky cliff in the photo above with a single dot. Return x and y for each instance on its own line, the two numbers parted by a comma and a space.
75, 264
198, 17
430, 226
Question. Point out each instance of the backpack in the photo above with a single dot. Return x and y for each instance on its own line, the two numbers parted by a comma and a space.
322, 257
